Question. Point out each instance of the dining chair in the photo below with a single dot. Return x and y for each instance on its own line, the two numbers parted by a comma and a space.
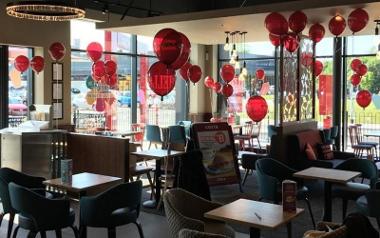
187, 125
153, 135
39, 214
250, 132
355, 145
270, 175
368, 204
331, 138
8, 175
186, 210
187, 233
353, 190
117, 206
360, 138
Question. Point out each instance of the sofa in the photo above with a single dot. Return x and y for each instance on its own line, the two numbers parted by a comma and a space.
296, 156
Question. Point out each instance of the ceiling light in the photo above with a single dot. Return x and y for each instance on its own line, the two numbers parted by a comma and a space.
44, 10
227, 45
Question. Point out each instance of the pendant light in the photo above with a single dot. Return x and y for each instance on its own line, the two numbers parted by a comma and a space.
227, 46
377, 33
244, 70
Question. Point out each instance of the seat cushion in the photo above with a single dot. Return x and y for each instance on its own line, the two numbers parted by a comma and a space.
27, 223
350, 191
325, 152
362, 205
310, 152
122, 216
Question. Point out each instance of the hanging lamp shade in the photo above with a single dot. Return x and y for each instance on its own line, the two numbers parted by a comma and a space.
44, 10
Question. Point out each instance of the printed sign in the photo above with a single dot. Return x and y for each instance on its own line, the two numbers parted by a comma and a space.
215, 141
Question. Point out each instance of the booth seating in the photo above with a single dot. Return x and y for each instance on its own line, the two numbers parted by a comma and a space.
296, 155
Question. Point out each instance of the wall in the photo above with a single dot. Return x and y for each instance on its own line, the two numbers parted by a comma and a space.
40, 35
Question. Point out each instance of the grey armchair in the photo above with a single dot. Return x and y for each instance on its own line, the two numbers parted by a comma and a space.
186, 210
187, 233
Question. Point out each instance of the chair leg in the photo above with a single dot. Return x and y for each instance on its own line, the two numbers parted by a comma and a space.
258, 142
245, 176
32, 234
151, 184
58, 233
43, 234
16, 231
1, 218
378, 221
310, 211
111, 232
344, 208
140, 229
10, 224
75, 230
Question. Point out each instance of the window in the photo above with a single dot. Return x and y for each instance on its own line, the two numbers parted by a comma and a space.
118, 47
19, 88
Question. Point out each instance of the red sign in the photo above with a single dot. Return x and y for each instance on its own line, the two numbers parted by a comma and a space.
325, 94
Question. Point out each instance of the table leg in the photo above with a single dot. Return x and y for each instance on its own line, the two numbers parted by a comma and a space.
154, 203
289, 229
328, 203
254, 232
83, 232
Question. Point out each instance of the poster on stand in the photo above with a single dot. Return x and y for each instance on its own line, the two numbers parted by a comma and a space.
215, 141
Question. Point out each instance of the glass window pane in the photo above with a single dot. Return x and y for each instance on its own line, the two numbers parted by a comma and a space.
325, 47
18, 88
84, 32
252, 50
145, 45
120, 42
362, 44
151, 110
324, 92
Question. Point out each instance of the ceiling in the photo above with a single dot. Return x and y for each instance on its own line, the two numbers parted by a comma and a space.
208, 26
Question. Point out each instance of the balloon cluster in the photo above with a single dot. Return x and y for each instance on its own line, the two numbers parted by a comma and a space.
227, 73
172, 48
103, 77
22, 63
277, 25
363, 97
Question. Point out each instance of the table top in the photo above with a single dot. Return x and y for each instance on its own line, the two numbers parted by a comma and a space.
248, 213
82, 182
330, 175
372, 133
158, 153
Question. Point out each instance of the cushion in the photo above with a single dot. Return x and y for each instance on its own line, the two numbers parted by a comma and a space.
310, 152
325, 152
313, 137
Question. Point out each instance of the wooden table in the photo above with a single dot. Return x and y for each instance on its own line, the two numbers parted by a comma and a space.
158, 155
83, 182
330, 176
255, 215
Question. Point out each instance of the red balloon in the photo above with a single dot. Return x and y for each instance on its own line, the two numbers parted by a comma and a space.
363, 98
257, 108
217, 87
94, 51
21, 63
276, 23
227, 73
100, 104
337, 25
357, 20
316, 32
194, 73
37, 63
318, 68
355, 63
362, 70
291, 42
110, 67
356, 79
161, 79
111, 80
274, 39
95, 78
227, 90
167, 44
306, 59
183, 71
185, 53
98, 69
297, 21
260, 74
57, 51
209, 82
